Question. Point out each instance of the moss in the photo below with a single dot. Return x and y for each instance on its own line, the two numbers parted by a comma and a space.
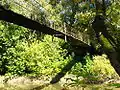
117, 85
106, 44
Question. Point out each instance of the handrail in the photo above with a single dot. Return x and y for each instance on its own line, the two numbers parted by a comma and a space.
62, 28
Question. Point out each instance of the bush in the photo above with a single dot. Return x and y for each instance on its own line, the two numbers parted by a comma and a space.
9, 35
102, 67
95, 71
23, 54
38, 57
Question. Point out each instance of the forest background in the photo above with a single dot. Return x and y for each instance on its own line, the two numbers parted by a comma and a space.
23, 52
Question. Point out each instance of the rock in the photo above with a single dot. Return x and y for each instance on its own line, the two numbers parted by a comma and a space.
117, 81
19, 80
2, 78
68, 79
70, 76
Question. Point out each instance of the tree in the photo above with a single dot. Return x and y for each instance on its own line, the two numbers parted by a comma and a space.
108, 43
106, 23
78, 14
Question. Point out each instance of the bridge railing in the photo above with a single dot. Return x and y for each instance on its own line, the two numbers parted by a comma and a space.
84, 37
59, 27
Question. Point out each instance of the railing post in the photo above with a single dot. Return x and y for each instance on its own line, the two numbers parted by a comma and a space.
64, 29
52, 26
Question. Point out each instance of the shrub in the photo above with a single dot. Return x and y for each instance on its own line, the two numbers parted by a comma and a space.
22, 53
95, 71
9, 35
38, 58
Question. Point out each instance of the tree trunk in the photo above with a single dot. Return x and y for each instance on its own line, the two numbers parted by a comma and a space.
107, 42
111, 52
114, 57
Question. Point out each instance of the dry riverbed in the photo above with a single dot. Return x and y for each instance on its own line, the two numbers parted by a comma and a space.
68, 82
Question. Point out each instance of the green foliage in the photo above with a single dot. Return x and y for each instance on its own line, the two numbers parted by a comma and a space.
9, 35
22, 53
43, 57
117, 85
96, 70
102, 67
37, 58
107, 45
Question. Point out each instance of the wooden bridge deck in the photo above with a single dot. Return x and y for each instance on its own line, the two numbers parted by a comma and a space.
12, 17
